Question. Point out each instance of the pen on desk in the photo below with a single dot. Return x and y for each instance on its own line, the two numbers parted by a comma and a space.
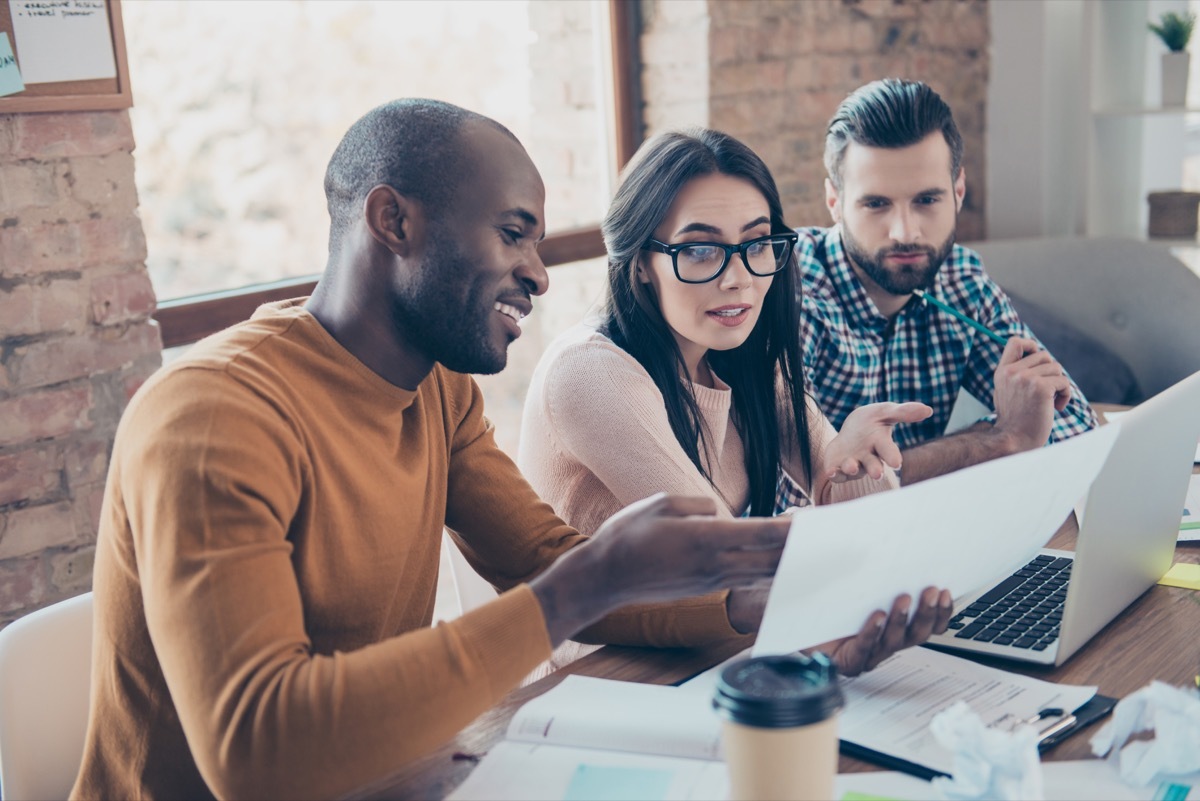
1048, 732
999, 340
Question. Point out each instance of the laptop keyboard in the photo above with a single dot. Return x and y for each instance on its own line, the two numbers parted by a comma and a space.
1023, 611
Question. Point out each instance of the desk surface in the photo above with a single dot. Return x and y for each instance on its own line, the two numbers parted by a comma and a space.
1154, 638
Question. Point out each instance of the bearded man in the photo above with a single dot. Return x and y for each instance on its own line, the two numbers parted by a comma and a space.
894, 188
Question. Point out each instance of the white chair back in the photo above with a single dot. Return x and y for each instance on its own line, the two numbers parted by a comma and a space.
470, 589
45, 680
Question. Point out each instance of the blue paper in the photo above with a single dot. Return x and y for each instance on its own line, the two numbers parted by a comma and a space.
617, 783
10, 74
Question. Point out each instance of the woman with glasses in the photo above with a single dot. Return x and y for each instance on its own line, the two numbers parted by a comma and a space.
690, 381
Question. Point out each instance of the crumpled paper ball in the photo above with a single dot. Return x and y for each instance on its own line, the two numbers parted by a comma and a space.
1173, 714
988, 763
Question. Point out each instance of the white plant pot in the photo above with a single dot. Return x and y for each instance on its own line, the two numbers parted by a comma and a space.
1175, 78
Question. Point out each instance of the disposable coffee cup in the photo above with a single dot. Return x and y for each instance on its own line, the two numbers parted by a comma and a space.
779, 728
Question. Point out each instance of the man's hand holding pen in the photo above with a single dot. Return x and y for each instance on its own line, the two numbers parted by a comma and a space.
1030, 387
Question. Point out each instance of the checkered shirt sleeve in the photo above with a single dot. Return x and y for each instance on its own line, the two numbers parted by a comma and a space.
853, 355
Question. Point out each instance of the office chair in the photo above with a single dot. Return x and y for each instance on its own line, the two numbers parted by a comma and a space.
472, 591
1132, 299
45, 680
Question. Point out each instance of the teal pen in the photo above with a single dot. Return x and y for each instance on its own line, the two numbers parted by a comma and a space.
999, 340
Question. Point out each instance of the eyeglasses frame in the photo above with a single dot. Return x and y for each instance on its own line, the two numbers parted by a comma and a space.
655, 246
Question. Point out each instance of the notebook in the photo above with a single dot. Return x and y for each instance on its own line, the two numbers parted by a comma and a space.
1046, 611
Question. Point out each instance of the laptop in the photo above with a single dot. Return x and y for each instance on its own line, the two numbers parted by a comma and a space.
1046, 611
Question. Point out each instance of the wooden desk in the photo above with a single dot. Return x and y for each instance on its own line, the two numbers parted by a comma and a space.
1154, 638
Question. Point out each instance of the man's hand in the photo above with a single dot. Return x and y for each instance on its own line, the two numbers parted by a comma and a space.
659, 549
865, 444
746, 605
1030, 386
885, 634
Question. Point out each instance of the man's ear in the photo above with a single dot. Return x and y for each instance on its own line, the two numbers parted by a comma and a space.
395, 221
960, 188
831, 201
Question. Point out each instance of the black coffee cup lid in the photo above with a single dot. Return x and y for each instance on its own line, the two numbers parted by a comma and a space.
779, 691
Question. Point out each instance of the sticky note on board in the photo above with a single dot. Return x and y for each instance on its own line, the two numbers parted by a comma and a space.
10, 73
1182, 575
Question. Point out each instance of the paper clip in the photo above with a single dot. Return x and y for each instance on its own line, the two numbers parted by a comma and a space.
1064, 721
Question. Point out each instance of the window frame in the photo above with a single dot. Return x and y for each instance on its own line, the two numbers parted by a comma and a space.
185, 320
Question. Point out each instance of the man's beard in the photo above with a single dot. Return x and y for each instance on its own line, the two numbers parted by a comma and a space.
907, 277
434, 315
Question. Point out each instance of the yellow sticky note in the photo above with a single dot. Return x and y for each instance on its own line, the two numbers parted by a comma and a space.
1182, 575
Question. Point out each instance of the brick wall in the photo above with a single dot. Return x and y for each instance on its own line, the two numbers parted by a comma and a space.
772, 72
75, 341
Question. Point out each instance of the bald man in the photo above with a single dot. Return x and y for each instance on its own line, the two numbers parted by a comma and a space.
268, 551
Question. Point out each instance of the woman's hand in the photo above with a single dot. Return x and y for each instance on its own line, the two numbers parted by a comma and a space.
865, 445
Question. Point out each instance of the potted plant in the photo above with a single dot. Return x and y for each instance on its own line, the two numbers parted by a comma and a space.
1175, 30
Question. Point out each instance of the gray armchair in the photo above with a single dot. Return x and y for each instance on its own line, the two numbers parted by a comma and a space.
1121, 315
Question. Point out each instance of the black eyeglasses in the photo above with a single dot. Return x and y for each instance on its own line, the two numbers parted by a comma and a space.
701, 262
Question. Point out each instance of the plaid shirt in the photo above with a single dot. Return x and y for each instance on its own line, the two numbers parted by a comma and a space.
853, 355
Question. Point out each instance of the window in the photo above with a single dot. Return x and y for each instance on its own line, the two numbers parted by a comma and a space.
239, 105
234, 128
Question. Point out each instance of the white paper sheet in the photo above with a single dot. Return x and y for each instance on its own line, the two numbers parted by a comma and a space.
1072, 780
1114, 416
62, 40
889, 708
623, 716
522, 772
957, 531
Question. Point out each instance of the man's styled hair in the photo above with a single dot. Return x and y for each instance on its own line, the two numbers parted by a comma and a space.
411, 145
890, 113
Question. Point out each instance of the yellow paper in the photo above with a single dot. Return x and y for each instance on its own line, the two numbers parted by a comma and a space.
1182, 575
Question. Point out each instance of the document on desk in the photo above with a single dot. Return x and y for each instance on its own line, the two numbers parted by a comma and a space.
596, 738
889, 708
957, 531
566, 774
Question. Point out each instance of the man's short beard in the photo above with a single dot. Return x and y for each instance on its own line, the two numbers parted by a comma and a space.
907, 278
434, 315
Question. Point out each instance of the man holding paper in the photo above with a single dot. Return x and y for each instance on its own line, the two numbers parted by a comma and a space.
269, 541
894, 310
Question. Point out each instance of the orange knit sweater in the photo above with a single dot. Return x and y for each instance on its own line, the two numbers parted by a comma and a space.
266, 570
